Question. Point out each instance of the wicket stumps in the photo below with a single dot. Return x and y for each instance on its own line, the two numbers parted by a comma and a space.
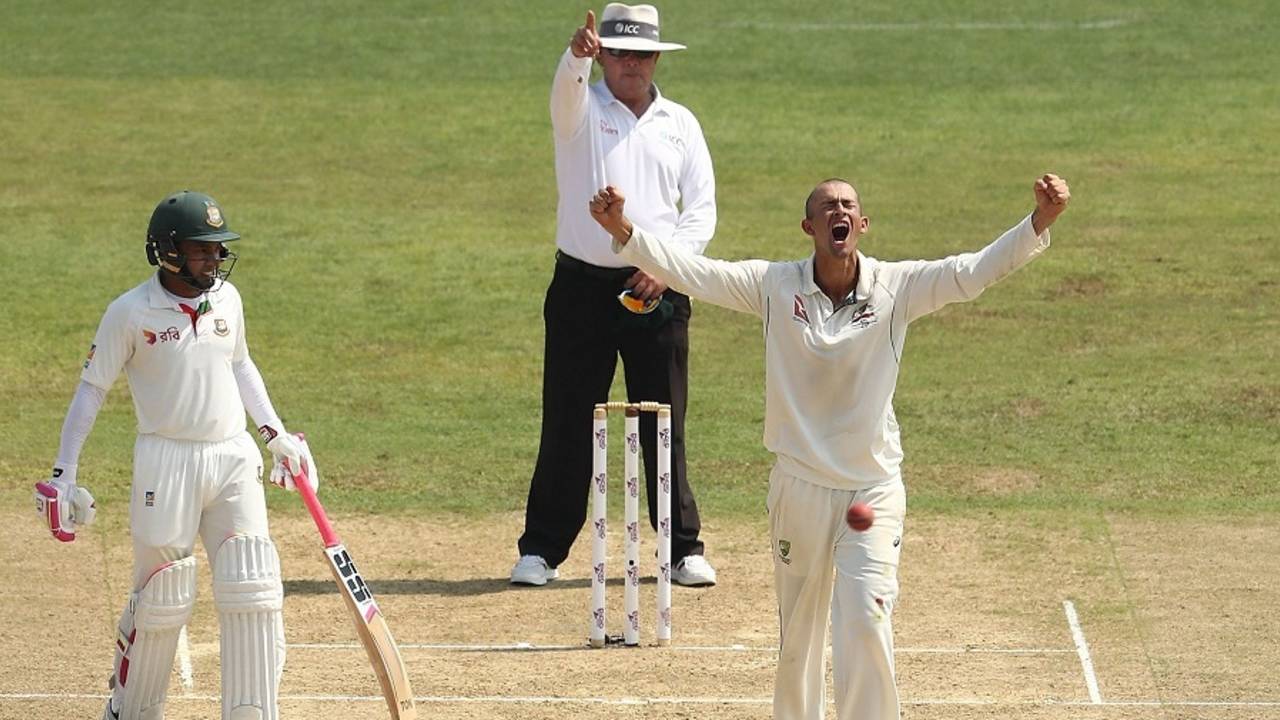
631, 514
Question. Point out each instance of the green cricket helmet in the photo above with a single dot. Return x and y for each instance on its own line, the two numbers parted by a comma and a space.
192, 216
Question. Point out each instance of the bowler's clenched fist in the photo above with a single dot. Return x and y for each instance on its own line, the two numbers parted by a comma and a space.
1052, 195
608, 201
606, 209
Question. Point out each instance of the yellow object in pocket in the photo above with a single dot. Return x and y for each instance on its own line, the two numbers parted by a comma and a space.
636, 305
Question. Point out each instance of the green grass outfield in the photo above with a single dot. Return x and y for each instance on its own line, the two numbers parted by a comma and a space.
390, 169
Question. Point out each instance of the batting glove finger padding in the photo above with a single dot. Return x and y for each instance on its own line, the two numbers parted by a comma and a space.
63, 505
286, 447
83, 508
294, 453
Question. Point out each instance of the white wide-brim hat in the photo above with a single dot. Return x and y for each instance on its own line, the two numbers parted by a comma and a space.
632, 27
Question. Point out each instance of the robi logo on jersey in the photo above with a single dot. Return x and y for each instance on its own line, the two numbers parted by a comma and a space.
165, 335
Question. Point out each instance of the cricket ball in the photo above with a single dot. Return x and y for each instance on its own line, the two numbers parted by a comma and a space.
860, 516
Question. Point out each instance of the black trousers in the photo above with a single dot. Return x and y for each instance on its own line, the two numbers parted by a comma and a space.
586, 332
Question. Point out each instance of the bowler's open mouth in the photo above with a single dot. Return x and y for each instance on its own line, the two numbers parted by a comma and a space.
840, 232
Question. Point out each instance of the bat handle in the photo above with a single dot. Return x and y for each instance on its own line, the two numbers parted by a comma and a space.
314, 507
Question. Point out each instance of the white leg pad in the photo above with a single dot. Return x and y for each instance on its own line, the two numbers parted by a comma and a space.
147, 640
249, 595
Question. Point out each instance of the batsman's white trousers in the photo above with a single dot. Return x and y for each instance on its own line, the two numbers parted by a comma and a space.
181, 488
814, 551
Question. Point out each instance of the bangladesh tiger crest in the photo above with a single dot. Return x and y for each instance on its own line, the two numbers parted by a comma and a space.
213, 215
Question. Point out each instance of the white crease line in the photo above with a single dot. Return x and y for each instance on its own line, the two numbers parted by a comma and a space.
980, 651
1106, 24
1082, 649
184, 660
532, 647
560, 700
1105, 703
551, 699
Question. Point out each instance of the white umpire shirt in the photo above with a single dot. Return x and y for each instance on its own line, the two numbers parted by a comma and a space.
661, 158
180, 376
831, 369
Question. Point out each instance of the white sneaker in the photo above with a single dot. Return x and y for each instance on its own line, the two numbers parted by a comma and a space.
532, 570
694, 571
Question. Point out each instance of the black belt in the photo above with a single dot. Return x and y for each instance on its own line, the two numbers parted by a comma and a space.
603, 273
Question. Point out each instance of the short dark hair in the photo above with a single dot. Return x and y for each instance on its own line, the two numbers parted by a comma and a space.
808, 202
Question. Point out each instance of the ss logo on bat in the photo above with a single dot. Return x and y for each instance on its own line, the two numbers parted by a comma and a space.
347, 569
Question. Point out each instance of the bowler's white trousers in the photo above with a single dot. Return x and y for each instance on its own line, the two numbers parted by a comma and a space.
810, 537
181, 488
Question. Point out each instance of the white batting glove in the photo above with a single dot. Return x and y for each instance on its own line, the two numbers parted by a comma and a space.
291, 453
63, 505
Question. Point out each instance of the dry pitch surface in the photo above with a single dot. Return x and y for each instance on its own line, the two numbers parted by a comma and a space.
1178, 621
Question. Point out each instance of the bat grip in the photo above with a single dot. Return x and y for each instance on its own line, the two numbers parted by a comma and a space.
314, 507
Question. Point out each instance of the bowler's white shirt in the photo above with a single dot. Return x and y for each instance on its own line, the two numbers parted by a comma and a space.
831, 371
181, 377
660, 160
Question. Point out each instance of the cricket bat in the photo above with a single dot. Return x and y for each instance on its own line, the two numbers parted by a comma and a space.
372, 628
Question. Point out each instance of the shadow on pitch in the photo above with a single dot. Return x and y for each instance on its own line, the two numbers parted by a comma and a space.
449, 588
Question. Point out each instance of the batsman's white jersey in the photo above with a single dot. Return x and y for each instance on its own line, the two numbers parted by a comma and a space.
830, 373
179, 368
192, 441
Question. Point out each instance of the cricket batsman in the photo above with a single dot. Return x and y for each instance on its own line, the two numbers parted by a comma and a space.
180, 338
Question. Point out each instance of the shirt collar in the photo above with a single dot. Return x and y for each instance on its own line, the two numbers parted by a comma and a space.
659, 104
158, 297
861, 290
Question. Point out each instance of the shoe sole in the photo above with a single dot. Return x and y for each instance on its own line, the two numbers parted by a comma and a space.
552, 574
695, 584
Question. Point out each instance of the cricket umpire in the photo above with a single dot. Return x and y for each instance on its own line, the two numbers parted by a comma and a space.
619, 130
835, 325
180, 338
